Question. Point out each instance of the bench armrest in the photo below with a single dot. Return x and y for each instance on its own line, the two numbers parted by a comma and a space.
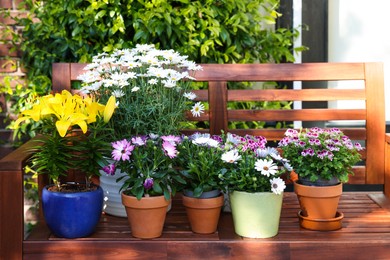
11, 203
387, 165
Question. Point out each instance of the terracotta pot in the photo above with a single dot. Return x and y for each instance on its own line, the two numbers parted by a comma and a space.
203, 214
318, 202
146, 216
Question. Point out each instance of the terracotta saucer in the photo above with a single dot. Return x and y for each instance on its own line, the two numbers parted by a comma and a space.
321, 224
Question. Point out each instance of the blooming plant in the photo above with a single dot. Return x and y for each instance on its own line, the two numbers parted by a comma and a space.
147, 162
251, 166
320, 153
152, 88
70, 125
200, 162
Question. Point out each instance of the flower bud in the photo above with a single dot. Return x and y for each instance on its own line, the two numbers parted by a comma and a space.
148, 184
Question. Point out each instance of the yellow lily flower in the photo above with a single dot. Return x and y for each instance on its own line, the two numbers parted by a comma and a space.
34, 113
62, 127
93, 110
69, 110
109, 109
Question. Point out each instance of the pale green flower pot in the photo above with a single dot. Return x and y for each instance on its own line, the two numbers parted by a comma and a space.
256, 215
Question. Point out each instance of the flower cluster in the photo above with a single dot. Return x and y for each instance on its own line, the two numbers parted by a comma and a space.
200, 162
148, 164
320, 153
251, 166
61, 117
65, 110
152, 87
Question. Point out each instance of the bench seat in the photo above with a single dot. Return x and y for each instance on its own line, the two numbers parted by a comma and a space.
365, 228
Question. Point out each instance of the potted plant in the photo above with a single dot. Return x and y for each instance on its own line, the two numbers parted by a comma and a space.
72, 132
200, 164
323, 160
152, 88
149, 180
255, 188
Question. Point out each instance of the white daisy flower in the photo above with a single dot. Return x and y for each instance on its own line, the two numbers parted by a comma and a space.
152, 81
205, 141
190, 95
118, 93
231, 156
266, 167
277, 185
197, 109
134, 89
202, 141
169, 83
213, 143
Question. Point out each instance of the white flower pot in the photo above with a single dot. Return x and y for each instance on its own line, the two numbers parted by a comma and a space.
112, 198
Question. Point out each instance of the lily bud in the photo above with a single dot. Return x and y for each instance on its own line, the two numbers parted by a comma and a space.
109, 109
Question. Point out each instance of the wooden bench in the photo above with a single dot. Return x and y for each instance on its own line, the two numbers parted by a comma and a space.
366, 226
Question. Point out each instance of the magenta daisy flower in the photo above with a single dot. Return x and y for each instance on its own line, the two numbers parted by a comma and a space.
122, 150
169, 149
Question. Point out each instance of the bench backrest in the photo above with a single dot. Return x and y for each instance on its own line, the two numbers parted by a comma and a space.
370, 92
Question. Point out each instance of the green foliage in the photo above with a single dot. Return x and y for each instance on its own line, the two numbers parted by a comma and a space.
52, 155
206, 31
200, 162
20, 98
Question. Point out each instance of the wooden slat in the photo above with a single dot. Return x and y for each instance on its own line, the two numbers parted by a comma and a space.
61, 80
296, 95
281, 72
269, 72
375, 123
218, 116
297, 115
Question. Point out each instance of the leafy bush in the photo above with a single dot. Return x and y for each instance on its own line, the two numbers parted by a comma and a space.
206, 31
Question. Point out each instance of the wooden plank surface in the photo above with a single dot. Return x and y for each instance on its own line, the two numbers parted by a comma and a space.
365, 227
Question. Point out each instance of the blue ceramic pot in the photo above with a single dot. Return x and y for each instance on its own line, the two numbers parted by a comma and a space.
72, 214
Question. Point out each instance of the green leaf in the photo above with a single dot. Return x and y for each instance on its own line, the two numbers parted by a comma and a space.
198, 191
157, 188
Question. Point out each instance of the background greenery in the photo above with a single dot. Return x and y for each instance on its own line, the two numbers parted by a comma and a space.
208, 31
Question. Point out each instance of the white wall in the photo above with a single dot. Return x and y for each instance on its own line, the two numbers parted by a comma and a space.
358, 32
